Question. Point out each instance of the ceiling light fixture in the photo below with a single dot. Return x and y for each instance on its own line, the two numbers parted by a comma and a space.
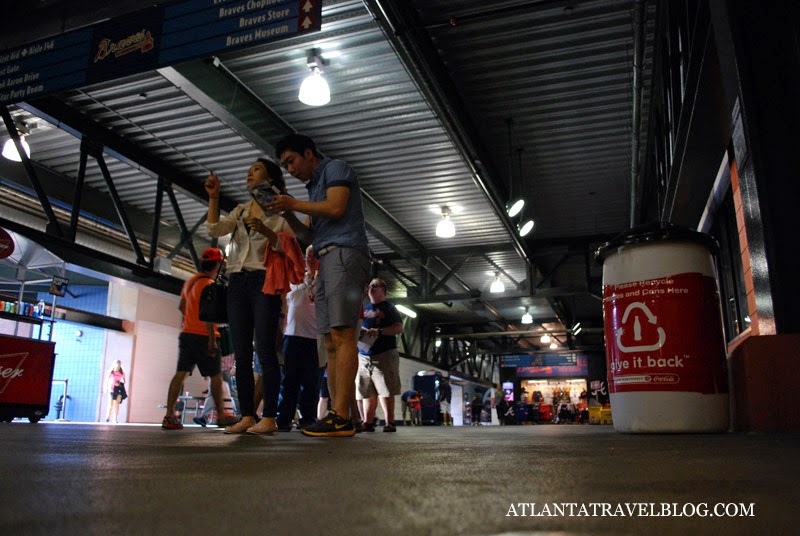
545, 339
10, 148
406, 311
576, 328
523, 229
553, 345
314, 91
445, 228
527, 318
497, 285
515, 207
526, 228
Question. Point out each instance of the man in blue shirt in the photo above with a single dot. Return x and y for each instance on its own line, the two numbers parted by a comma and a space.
340, 241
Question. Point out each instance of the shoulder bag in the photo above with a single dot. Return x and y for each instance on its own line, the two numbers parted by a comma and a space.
214, 302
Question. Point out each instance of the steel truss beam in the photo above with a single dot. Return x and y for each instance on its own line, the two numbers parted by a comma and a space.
98, 261
53, 226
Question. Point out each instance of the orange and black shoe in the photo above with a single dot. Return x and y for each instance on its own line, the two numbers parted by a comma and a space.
227, 420
170, 422
332, 425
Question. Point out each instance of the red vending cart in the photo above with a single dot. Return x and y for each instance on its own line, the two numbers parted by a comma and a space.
26, 376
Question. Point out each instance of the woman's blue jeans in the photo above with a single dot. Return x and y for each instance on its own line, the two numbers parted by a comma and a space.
254, 315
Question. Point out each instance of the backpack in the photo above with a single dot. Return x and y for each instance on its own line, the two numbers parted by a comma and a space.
214, 303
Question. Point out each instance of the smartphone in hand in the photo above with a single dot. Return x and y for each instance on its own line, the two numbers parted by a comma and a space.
263, 193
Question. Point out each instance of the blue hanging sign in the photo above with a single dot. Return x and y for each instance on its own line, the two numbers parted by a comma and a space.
149, 39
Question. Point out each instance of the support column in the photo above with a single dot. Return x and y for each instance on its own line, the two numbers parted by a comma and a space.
761, 73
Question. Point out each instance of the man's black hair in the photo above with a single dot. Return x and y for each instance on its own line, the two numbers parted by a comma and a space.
297, 143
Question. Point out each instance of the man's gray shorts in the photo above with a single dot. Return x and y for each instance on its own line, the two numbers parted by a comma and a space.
343, 275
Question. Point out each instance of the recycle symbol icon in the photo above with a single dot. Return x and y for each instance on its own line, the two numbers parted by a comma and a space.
637, 329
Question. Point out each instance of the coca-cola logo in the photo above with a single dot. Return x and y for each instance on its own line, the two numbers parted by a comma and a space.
10, 368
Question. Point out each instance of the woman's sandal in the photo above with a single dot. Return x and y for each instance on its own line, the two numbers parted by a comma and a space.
264, 427
389, 428
240, 427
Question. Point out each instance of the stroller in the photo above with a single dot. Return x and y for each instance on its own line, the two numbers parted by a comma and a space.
565, 414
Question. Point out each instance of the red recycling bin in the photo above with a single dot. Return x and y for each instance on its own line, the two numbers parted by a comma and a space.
665, 347
26, 377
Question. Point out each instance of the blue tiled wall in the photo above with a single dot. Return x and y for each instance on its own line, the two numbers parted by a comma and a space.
78, 358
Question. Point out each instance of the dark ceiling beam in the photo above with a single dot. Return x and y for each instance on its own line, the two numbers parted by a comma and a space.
406, 280
215, 88
118, 206
403, 30
53, 226
77, 124
487, 12
500, 269
452, 272
187, 235
546, 277
94, 203
77, 195
546, 293
98, 261
555, 245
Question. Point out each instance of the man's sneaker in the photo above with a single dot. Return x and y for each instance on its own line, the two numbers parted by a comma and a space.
201, 421
170, 422
332, 425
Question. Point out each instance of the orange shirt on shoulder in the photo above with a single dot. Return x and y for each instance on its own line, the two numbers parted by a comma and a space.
192, 289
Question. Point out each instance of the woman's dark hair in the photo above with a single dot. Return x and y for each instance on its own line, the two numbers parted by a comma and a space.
297, 143
275, 174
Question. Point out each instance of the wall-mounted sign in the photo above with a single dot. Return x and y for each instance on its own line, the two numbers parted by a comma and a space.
148, 39
576, 371
58, 286
540, 360
6, 244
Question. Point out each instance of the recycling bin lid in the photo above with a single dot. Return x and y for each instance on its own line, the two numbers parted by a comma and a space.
656, 232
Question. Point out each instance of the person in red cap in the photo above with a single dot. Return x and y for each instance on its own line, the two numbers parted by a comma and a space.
198, 343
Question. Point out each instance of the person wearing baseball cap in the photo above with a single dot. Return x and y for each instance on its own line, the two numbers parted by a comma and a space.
198, 342
212, 254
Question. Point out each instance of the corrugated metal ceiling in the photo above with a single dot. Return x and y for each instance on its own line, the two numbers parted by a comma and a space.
557, 74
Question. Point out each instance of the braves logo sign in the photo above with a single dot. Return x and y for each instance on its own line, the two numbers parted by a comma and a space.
142, 40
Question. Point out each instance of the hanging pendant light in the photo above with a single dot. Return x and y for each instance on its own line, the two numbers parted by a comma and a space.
497, 285
314, 91
445, 228
527, 318
10, 150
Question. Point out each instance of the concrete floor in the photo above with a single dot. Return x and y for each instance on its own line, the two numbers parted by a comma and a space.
64, 478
